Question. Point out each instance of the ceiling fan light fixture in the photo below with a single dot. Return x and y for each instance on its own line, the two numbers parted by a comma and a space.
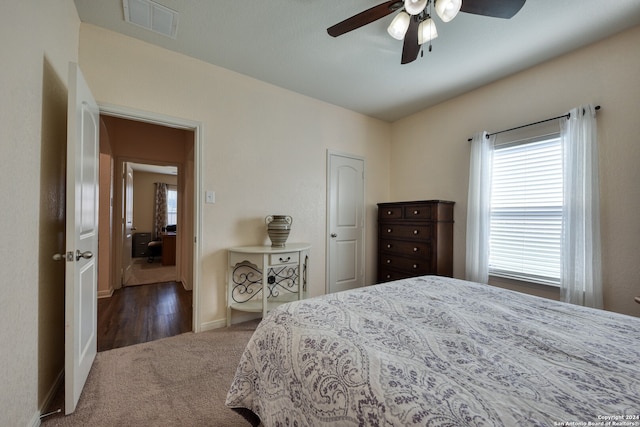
427, 31
414, 7
448, 9
398, 27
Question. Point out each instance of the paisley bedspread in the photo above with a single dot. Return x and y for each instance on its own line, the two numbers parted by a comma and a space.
434, 351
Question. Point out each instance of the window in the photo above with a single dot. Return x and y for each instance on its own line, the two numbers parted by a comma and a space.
172, 205
526, 210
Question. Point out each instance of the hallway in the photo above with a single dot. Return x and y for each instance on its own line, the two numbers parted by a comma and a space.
137, 314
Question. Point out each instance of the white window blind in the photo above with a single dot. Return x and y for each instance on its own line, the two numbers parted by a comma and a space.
526, 210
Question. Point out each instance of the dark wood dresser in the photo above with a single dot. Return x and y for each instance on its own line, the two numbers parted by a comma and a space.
415, 239
140, 245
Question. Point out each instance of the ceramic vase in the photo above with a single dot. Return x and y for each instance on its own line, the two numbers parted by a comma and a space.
278, 228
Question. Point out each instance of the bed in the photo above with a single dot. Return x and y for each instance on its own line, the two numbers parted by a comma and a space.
436, 351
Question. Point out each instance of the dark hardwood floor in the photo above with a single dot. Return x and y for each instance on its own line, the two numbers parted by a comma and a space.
137, 314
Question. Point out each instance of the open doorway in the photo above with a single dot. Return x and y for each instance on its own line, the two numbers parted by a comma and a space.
163, 306
151, 200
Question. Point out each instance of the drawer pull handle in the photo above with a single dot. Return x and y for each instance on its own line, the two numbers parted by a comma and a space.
388, 261
389, 246
415, 266
389, 230
285, 260
389, 212
415, 231
416, 212
388, 276
415, 249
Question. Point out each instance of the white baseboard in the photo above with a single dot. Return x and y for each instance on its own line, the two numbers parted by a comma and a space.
239, 318
105, 294
215, 324
35, 420
51, 394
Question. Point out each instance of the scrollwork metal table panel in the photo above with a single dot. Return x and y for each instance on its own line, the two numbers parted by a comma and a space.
286, 278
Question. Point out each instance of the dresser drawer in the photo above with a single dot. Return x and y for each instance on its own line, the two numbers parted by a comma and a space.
139, 251
406, 231
141, 238
385, 275
404, 247
394, 212
413, 266
420, 212
284, 258
140, 245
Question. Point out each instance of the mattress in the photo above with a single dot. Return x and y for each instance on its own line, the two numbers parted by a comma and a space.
437, 351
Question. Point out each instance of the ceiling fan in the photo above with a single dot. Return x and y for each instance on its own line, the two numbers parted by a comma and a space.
413, 23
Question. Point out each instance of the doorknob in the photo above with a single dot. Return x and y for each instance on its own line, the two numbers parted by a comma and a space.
334, 235
85, 255
63, 257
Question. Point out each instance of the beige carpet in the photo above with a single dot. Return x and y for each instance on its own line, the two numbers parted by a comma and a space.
144, 273
177, 381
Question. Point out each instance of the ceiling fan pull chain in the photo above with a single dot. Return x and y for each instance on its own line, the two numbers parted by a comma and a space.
430, 11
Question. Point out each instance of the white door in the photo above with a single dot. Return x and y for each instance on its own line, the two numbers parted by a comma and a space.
127, 222
81, 273
345, 265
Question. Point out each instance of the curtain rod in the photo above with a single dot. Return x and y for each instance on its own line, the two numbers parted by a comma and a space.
531, 124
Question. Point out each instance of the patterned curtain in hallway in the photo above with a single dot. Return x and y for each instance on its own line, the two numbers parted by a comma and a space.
160, 211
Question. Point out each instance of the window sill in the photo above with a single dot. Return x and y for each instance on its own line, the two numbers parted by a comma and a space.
537, 289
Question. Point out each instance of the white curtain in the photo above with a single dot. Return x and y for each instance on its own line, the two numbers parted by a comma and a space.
581, 273
479, 208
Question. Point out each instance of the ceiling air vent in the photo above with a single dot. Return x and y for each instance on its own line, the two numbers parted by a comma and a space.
152, 16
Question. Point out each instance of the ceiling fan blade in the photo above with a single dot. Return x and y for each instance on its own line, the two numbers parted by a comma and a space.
410, 48
495, 8
364, 18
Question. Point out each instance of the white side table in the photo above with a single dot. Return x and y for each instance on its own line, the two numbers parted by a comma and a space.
286, 275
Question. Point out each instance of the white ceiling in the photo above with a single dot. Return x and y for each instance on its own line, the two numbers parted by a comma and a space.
284, 42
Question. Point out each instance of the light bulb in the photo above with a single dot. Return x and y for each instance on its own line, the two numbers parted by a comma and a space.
414, 7
427, 31
398, 27
448, 9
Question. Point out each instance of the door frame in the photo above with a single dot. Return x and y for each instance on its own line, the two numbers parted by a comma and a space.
178, 123
363, 256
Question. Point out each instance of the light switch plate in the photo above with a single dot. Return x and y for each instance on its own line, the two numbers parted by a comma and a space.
210, 196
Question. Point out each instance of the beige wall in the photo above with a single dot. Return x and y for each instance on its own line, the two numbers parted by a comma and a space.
263, 149
430, 152
38, 41
144, 198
